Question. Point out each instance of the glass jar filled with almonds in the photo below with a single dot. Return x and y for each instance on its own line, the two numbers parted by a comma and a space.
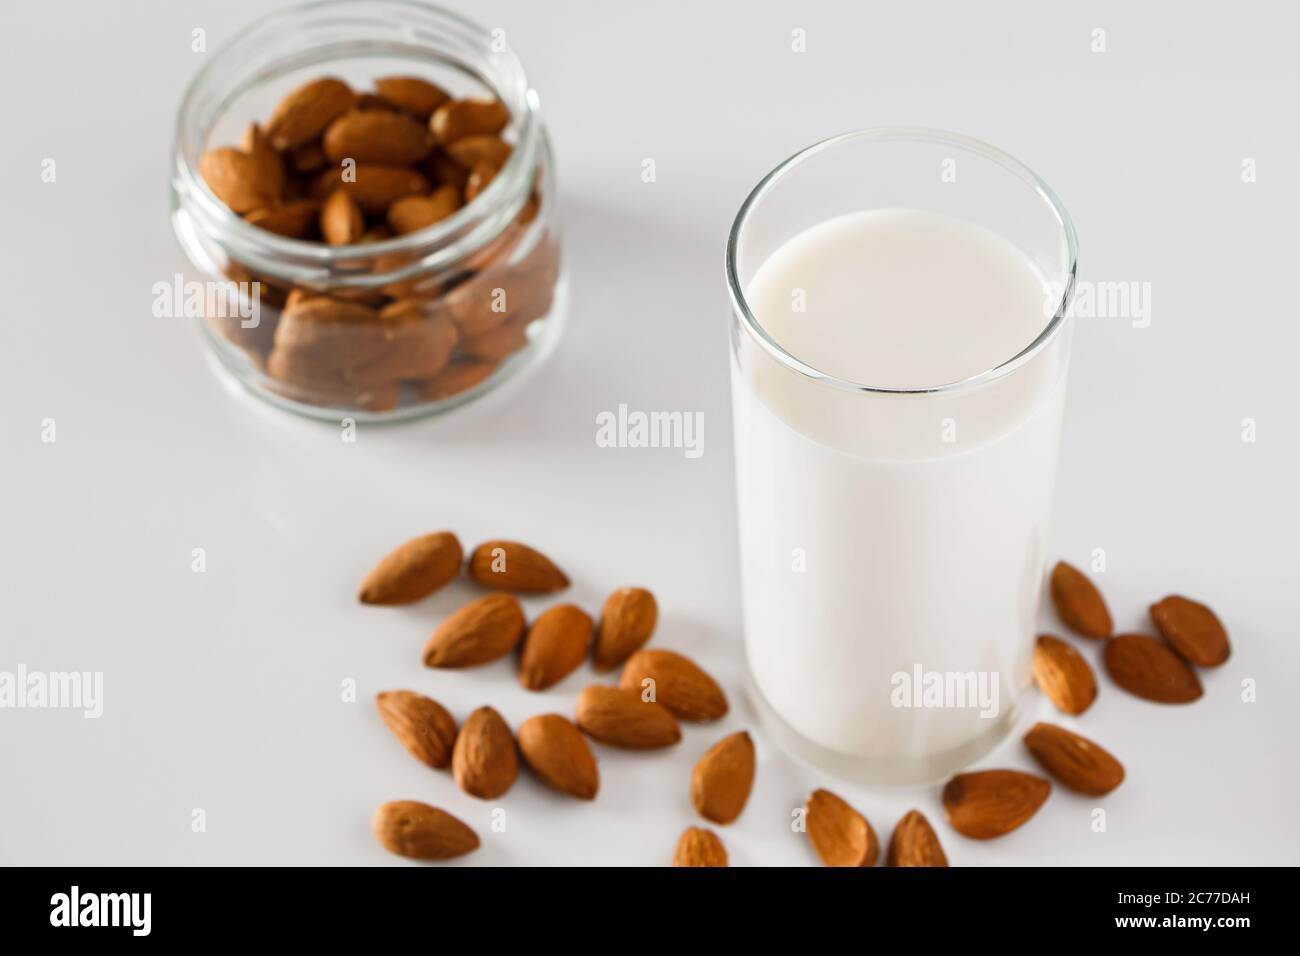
368, 192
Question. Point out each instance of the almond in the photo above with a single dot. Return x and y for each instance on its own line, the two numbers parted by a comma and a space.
308, 158
420, 724
511, 566
479, 632
305, 112
1063, 675
341, 222
457, 119
472, 151
627, 621
699, 847
414, 829
233, 176
496, 345
480, 177
1192, 629
840, 835
412, 213
414, 570
373, 187
377, 136
294, 220
1144, 666
914, 843
555, 644
442, 169
989, 803
1078, 763
268, 163
675, 681
456, 378
558, 753
1078, 602
621, 718
418, 97
483, 761
721, 781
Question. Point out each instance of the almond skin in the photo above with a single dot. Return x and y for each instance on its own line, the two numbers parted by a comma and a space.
511, 566
1063, 675
914, 843
479, 632
1192, 629
484, 761
556, 643
1079, 604
627, 621
377, 136
990, 803
341, 222
1078, 763
840, 835
414, 570
421, 832
557, 752
412, 94
294, 220
233, 176
473, 151
699, 847
457, 119
420, 724
305, 112
1147, 668
621, 718
678, 683
721, 781
413, 213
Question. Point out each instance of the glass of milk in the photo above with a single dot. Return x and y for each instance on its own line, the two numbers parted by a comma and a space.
899, 353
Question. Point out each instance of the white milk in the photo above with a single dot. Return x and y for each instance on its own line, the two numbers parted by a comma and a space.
885, 533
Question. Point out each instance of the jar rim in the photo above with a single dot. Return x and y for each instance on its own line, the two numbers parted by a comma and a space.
432, 248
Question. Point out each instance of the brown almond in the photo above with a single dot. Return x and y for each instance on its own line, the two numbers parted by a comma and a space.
675, 681
558, 753
443, 170
1078, 602
914, 843
484, 761
377, 136
305, 112
372, 187
480, 177
990, 803
1063, 675
840, 835
621, 718
456, 378
511, 566
308, 158
1192, 629
1146, 667
420, 724
457, 119
556, 643
699, 847
414, 570
472, 151
496, 345
479, 632
294, 220
1078, 763
416, 830
412, 213
723, 777
233, 176
412, 94
627, 621
269, 164
341, 222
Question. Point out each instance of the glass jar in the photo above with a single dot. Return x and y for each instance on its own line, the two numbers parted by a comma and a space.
389, 327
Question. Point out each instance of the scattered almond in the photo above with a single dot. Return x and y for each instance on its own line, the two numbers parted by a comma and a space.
721, 781
621, 718
480, 177
473, 151
1078, 763
699, 847
457, 377
294, 220
479, 632
341, 222
840, 835
558, 753
990, 803
1192, 629
675, 681
511, 566
421, 725
1078, 602
374, 187
412, 213
457, 119
496, 345
233, 176
417, 830
412, 94
306, 111
1147, 668
914, 843
414, 570
377, 136
556, 643
483, 761
626, 623
1063, 675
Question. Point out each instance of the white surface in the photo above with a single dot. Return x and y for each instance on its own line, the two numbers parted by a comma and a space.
222, 689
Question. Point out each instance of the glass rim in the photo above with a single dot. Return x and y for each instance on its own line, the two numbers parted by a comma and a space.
740, 305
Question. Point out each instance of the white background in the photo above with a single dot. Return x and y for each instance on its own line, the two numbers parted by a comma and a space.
222, 689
